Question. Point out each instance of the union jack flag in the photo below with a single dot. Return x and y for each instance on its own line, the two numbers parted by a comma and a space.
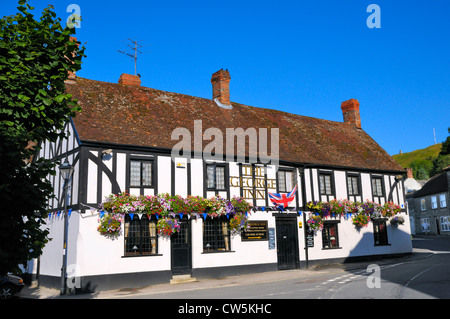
283, 199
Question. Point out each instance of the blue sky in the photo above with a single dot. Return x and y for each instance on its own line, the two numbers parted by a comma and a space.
303, 57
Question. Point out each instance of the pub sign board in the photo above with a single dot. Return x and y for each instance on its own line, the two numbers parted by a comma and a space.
258, 230
309, 239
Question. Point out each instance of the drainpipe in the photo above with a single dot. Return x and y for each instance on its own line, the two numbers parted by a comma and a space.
302, 176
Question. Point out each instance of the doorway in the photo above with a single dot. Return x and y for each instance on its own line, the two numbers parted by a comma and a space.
287, 243
180, 242
438, 228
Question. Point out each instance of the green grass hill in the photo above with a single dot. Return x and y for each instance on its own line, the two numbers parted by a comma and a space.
426, 154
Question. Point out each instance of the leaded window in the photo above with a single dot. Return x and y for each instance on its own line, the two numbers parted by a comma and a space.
325, 183
353, 185
377, 186
215, 176
286, 181
141, 173
140, 235
216, 234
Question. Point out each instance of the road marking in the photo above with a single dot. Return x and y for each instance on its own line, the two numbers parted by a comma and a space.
409, 281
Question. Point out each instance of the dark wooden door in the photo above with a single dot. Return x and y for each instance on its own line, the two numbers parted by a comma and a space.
287, 243
181, 249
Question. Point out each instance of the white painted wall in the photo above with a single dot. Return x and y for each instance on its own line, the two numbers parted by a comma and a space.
164, 174
242, 252
360, 241
98, 254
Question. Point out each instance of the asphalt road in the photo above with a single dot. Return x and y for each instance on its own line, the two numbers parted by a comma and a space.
424, 278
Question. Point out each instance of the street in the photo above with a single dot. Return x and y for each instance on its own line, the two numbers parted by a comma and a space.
427, 275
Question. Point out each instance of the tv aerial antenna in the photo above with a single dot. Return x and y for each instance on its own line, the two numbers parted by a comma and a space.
134, 49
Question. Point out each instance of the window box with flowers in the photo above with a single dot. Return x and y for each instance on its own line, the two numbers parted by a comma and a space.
166, 208
360, 212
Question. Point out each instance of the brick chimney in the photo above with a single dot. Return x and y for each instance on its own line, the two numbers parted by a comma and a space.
72, 75
350, 111
409, 173
221, 88
128, 79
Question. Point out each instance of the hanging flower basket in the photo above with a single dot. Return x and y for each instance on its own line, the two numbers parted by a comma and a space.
391, 209
168, 226
315, 223
397, 220
361, 220
239, 204
110, 225
238, 223
216, 206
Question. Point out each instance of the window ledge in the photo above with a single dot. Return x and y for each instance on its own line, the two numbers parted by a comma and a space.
149, 255
218, 251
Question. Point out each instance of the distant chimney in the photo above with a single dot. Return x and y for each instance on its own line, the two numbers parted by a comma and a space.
128, 79
409, 173
221, 88
72, 75
350, 111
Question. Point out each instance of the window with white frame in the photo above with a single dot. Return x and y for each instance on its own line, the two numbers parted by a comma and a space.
433, 202
423, 205
445, 223
442, 200
425, 224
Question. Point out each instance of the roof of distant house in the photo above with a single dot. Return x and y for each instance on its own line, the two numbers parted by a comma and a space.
436, 184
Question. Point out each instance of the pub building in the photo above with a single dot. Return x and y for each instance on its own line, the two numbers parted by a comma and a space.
123, 141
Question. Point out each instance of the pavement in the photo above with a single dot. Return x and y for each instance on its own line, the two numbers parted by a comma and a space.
33, 292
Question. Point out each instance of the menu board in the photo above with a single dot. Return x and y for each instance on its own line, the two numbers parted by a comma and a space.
258, 230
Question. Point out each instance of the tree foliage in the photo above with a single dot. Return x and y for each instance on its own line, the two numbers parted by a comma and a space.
422, 168
425, 168
443, 159
36, 57
445, 150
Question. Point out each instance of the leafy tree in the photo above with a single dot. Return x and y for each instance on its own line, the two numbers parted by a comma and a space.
35, 58
421, 168
443, 159
440, 162
445, 150
422, 174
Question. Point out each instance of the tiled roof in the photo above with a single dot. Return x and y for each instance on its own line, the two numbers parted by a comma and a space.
436, 184
135, 115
